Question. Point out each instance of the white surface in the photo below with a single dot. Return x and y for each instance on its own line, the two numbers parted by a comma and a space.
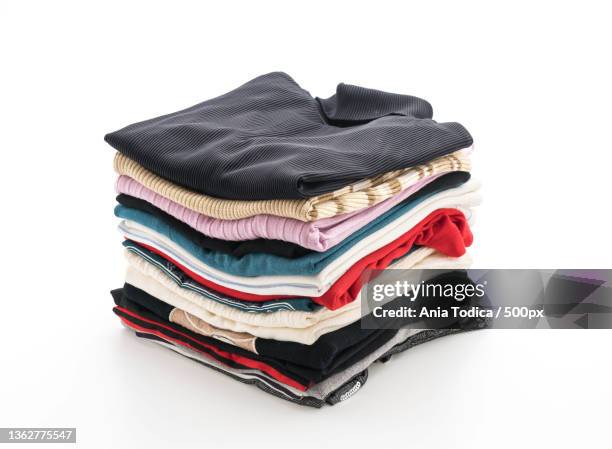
530, 80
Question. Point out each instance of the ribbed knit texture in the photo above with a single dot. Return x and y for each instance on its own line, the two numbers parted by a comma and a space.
317, 235
270, 139
365, 193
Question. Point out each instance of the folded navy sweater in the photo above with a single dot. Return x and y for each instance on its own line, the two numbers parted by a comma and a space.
270, 139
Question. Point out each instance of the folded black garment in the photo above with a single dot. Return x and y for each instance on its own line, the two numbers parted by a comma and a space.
148, 321
271, 139
148, 324
342, 393
268, 385
279, 248
307, 364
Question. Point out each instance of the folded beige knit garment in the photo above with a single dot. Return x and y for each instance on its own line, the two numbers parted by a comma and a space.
199, 326
198, 311
351, 198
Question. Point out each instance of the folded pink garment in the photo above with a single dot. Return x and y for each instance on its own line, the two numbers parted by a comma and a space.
319, 235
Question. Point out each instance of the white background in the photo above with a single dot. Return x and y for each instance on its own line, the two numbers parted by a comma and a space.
530, 80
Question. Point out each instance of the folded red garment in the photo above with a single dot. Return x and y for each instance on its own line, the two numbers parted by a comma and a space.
161, 331
445, 230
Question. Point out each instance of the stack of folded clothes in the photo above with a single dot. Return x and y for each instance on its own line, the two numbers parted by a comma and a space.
250, 218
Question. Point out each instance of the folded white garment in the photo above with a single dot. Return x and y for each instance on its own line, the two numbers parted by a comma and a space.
433, 260
462, 198
145, 275
297, 326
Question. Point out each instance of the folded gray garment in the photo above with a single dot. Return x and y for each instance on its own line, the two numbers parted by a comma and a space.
337, 388
405, 338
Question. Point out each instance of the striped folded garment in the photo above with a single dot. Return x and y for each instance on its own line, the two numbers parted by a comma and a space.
262, 264
299, 326
319, 235
252, 220
331, 391
266, 287
294, 364
357, 196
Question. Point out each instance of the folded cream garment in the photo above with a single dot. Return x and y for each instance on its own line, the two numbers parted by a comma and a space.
248, 341
144, 275
433, 260
170, 293
462, 198
301, 327
357, 196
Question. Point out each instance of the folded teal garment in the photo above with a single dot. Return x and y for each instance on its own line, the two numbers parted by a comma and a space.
184, 281
260, 264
